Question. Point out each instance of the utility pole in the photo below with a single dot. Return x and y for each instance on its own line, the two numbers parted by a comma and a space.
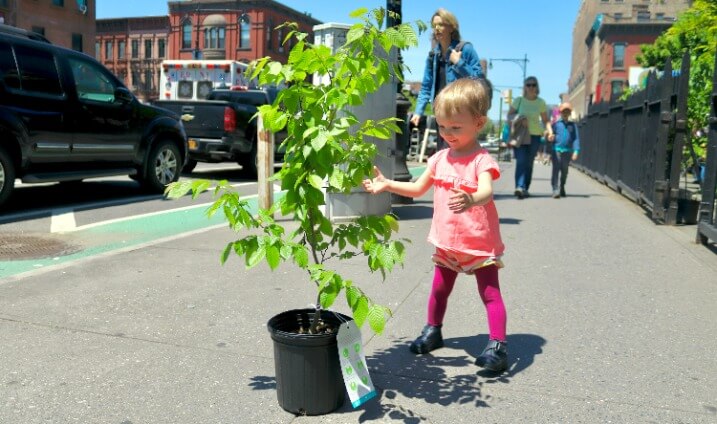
523, 63
402, 105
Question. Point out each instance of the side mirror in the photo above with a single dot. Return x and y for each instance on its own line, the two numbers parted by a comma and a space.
123, 95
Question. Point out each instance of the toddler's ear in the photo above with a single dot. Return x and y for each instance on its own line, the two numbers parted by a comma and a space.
481, 121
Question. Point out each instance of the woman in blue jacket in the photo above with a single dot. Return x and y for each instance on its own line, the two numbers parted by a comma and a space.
446, 63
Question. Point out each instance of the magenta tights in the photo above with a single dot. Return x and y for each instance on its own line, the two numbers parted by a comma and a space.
488, 288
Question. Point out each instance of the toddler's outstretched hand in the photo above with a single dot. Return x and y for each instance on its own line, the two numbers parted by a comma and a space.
376, 185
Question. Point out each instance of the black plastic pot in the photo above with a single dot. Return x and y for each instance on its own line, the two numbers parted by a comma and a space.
308, 374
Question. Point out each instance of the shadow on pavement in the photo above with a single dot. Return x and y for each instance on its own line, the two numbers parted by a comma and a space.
397, 371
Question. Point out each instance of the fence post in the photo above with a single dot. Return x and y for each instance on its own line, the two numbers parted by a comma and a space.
661, 185
680, 138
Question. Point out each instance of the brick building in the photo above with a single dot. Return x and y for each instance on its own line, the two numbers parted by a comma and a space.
606, 39
133, 49
67, 23
243, 30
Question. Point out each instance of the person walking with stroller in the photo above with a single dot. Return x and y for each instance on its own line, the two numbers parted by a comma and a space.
566, 147
536, 111
465, 228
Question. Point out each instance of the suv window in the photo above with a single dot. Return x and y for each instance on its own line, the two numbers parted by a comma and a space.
38, 71
8, 69
91, 82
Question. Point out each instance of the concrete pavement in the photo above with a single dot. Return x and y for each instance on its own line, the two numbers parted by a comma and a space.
610, 319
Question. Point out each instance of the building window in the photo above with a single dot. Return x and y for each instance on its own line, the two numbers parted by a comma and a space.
616, 88
660, 16
147, 49
108, 50
643, 15
135, 49
269, 30
121, 49
160, 48
148, 80
280, 40
77, 42
38, 30
3, 3
244, 32
97, 50
618, 16
60, 3
214, 38
187, 34
618, 55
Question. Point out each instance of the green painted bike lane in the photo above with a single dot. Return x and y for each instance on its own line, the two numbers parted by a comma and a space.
132, 233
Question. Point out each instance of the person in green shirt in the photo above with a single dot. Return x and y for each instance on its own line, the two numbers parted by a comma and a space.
535, 109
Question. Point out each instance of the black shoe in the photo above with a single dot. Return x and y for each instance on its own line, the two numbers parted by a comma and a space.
519, 193
526, 193
494, 357
562, 192
430, 339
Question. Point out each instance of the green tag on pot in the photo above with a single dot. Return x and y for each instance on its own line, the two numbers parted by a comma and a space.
353, 364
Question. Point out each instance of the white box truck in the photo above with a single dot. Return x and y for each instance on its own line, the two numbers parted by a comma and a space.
195, 79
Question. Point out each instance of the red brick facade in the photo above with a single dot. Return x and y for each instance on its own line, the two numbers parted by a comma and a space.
134, 48
63, 22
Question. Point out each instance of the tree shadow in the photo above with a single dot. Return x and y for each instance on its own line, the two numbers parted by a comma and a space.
432, 378
397, 371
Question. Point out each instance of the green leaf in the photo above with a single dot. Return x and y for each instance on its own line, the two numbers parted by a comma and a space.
318, 142
275, 68
255, 257
286, 251
337, 179
315, 181
359, 310
358, 12
376, 318
301, 257
392, 222
273, 257
225, 253
355, 33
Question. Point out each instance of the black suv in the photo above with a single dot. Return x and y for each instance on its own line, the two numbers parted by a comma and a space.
65, 117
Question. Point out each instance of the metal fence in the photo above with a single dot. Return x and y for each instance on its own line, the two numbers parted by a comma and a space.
635, 145
707, 225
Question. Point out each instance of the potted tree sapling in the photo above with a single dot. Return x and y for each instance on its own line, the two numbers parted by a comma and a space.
326, 149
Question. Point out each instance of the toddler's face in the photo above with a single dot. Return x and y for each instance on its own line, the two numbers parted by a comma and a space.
460, 130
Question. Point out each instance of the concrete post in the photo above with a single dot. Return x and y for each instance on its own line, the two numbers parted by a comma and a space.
379, 105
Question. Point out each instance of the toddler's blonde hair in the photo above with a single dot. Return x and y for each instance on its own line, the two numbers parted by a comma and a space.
463, 95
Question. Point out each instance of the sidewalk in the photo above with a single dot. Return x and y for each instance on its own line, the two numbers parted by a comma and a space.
610, 319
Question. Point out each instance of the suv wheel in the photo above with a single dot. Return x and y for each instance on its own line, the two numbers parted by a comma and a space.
7, 176
163, 166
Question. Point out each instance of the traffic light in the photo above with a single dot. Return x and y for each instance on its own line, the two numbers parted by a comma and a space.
508, 95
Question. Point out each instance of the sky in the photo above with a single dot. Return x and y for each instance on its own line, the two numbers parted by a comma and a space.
497, 29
